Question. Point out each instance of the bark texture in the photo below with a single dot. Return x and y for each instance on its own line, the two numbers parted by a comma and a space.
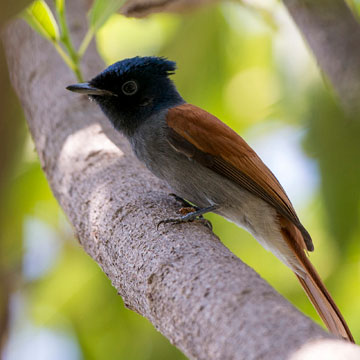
199, 295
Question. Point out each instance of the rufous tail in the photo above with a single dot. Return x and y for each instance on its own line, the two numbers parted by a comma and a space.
312, 284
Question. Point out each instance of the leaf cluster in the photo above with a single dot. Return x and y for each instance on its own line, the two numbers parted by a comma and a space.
54, 28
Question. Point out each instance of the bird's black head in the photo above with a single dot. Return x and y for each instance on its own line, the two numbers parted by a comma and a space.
131, 90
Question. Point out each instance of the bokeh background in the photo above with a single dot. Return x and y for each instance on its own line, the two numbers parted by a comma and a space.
249, 66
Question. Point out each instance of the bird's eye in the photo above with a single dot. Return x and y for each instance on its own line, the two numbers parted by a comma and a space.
129, 87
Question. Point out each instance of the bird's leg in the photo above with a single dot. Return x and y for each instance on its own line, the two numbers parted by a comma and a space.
184, 202
194, 215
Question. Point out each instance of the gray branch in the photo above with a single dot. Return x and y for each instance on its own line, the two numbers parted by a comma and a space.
193, 290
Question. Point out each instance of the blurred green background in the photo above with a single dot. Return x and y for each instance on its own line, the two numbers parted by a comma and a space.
248, 66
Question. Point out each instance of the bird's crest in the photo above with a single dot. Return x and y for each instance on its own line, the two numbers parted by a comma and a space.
149, 64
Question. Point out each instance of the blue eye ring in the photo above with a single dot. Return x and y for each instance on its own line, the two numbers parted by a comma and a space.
129, 88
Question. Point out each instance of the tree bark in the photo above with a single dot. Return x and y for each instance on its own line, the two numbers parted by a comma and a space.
199, 295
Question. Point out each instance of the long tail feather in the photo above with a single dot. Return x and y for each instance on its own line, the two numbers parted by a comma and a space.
326, 307
312, 284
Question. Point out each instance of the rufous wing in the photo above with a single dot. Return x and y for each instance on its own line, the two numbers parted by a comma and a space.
206, 139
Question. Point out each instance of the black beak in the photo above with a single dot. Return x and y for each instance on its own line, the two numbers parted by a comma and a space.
88, 89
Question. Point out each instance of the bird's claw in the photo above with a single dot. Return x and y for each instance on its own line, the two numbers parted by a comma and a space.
186, 210
185, 219
168, 221
183, 202
190, 213
205, 222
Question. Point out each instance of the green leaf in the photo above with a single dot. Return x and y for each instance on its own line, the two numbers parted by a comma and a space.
60, 12
60, 6
40, 17
101, 11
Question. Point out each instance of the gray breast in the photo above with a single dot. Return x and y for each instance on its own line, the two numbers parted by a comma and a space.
188, 178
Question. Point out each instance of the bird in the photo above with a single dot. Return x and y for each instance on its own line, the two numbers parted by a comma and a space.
208, 166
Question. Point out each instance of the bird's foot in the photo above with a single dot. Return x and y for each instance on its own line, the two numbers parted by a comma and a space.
187, 210
184, 203
184, 219
190, 215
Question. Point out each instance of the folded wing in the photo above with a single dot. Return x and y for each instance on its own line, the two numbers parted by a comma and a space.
190, 131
